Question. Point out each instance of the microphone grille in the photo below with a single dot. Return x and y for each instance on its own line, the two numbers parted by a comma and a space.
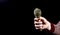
37, 12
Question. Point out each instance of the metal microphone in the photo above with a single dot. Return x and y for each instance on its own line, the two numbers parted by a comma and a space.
37, 14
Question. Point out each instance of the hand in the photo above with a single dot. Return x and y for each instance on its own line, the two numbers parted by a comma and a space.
41, 23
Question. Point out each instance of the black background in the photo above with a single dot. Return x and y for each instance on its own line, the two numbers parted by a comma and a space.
8, 7
7, 10
7, 15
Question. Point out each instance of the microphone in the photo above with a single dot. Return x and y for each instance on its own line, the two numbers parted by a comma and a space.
37, 14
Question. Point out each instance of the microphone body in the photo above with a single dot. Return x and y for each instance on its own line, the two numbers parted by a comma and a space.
37, 14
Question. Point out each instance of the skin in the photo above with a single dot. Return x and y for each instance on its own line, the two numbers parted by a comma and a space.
41, 23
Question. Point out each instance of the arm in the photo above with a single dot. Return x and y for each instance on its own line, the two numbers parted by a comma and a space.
57, 28
52, 27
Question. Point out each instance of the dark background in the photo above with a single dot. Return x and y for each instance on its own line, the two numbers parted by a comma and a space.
7, 15
8, 7
8, 10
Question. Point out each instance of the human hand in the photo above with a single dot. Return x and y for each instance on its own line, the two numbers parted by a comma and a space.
42, 23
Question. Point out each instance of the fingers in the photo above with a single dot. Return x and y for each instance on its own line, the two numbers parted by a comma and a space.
36, 18
41, 18
38, 26
44, 20
45, 26
38, 22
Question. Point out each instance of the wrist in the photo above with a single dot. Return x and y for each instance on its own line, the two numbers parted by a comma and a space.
49, 27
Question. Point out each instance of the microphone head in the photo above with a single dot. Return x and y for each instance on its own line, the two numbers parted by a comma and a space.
37, 12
